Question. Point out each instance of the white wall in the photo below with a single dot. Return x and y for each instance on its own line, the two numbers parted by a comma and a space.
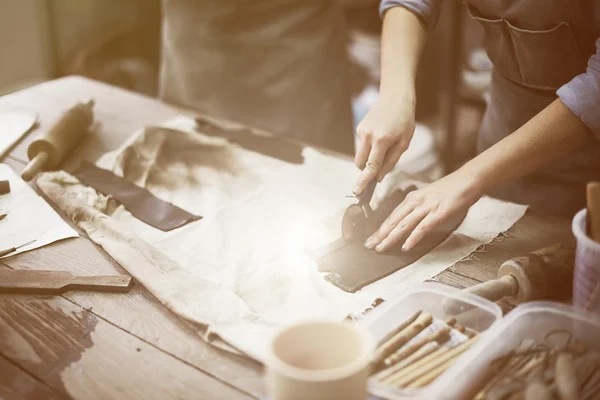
25, 53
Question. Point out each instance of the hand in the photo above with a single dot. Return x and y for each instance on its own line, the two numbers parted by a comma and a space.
384, 134
424, 209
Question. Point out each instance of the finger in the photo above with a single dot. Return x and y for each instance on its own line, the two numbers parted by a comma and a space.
402, 230
364, 148
376, 157
425, 226
391, 159
404, 209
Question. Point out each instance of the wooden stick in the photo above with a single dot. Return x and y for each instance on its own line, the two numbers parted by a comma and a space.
431, 375
398, 329
441, 334
424, 360
593, 210
420, 368
419, 354
401, 338
566, 377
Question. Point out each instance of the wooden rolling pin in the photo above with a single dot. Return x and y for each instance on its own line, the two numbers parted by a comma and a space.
544, 274
49, 151
57, 282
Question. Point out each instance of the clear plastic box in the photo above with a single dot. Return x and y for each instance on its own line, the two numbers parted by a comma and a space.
531, 321
476, 313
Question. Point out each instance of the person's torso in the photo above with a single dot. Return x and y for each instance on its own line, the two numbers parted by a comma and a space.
536, 47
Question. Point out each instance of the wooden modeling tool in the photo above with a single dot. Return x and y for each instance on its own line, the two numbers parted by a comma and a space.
539, 275
593, 210
401, 338
13, 249
58, 282
47, 152
398, 329
440, 335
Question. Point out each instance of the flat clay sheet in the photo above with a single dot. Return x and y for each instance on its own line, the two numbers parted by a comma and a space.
352, 267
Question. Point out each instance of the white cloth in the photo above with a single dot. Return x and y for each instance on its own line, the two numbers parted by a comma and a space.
28, 218
242, 272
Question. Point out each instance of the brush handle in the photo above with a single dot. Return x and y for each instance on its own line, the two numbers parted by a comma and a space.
593, 210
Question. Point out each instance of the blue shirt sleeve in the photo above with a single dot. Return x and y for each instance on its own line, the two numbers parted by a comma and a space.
582, 94
427, 10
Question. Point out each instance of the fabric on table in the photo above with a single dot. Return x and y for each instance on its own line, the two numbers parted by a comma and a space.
243, 271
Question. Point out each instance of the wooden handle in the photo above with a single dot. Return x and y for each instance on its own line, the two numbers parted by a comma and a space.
401, 338
567, 384
35, 166
441, 334
398, 329
419, 354
593, 210
492, 290
536, 390
427, 364
496, 288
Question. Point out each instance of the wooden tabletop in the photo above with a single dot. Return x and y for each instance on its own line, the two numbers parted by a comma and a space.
85, 345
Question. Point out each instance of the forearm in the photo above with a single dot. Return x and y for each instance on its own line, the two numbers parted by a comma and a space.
550, 135
403, 39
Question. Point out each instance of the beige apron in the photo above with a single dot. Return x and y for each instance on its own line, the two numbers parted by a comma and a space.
536, 47
278, 65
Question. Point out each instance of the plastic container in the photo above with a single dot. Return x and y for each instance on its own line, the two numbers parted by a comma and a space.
430, 297
549, 322
586, 278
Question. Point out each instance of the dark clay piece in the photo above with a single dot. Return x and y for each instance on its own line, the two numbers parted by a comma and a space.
275, 147
138, 201
352, 267
4, 187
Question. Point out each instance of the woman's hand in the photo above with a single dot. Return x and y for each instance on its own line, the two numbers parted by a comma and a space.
384, 134
424, 209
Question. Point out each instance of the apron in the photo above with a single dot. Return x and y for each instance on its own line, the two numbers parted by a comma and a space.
536, 47
277, 65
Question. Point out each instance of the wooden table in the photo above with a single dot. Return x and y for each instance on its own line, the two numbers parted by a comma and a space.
129, 346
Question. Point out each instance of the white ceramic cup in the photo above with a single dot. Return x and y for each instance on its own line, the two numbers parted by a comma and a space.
319, 360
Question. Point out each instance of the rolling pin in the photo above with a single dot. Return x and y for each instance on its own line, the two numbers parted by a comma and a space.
546, 273
23, 281
48, 152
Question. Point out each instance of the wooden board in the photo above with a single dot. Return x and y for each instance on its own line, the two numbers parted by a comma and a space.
17, 384
83, 356
139, 313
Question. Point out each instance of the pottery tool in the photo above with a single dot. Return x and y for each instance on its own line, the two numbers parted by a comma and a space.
566, 377
401, 338
398, 329
593, 210
47, 152
2, 216
431, 366
4, 187
58, 282
439, 336
539, 275
354, 221
416, 356
13, 249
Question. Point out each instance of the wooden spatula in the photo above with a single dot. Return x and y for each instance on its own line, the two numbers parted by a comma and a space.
57, 282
